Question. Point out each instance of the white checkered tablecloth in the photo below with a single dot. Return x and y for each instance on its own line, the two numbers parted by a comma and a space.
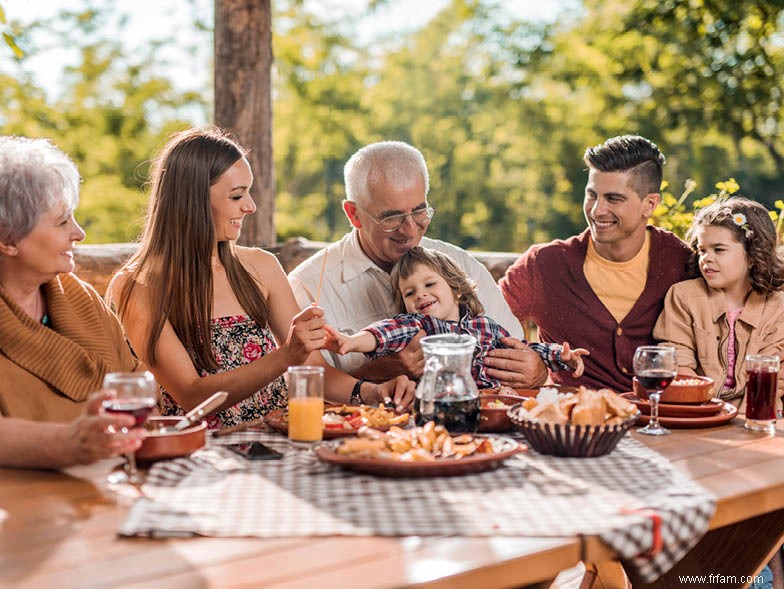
217, 493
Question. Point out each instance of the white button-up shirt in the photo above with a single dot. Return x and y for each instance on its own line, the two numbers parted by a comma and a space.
355, 292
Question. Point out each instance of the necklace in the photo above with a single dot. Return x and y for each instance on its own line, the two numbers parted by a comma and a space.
40, 316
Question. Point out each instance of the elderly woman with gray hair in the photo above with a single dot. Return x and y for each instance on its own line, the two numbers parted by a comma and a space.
57, 337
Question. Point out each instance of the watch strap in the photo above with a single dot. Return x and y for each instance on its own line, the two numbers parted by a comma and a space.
356, 393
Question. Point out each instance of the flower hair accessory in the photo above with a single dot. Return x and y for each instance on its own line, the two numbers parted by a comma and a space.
740, 220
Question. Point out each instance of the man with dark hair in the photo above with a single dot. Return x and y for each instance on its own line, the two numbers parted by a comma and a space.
604, 289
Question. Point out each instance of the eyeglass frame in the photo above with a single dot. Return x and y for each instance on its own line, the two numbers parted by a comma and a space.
428, 210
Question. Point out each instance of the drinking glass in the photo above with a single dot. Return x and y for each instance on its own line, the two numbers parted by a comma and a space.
655, 368
135, 394
306, 405
762, 379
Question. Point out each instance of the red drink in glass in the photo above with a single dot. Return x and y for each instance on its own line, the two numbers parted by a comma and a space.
762, 378
761, 395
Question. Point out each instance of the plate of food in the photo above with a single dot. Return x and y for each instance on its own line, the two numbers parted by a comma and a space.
343, 420
424, 451
508, 391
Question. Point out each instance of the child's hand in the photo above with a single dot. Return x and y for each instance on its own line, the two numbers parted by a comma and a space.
335, 341
573, 359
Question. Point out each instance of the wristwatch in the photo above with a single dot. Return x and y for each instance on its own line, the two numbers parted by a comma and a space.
356, 393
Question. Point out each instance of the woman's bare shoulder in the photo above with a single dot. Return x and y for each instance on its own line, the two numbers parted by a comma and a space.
257, 261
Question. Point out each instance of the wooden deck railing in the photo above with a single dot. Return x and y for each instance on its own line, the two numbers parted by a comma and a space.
97, 263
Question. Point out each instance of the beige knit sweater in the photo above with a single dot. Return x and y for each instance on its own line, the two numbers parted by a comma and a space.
47, 373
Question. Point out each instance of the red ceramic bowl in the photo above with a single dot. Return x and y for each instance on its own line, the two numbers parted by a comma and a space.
698, 389
161, 446
495, 419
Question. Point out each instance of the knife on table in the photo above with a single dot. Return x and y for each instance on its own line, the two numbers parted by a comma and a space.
202, 409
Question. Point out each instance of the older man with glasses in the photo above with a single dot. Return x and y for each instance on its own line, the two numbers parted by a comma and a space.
386, 204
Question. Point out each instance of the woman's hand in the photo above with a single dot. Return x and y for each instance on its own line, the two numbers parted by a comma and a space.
573, 359
399, 391
306, 335
91, 436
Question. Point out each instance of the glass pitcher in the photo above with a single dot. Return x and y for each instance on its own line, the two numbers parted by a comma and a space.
447, 393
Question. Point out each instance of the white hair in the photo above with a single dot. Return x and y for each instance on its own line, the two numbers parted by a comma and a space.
34, 177
395, 162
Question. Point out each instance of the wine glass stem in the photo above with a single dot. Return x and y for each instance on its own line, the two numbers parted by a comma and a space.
130, 467
654, 397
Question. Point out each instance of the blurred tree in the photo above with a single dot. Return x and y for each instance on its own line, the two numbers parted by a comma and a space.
319, 121
9, 36
111, 115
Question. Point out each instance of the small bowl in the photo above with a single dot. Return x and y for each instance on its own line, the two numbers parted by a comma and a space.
681, 393
495, 419
162, 446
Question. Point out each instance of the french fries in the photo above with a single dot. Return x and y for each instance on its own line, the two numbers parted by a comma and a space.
426, 443
375, 417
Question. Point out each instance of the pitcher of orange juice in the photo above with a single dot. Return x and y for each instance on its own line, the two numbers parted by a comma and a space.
306, 404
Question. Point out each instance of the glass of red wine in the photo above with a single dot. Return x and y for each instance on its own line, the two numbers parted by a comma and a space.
135, 394
655, 367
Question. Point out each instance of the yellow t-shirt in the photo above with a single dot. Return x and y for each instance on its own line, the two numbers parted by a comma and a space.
617, 284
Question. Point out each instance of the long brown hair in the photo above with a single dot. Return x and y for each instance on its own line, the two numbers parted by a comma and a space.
463, 287
173, 262
751, 225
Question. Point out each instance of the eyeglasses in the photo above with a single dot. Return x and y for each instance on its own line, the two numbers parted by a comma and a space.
394, 222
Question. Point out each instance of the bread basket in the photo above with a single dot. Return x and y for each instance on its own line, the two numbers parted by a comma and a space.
577, 441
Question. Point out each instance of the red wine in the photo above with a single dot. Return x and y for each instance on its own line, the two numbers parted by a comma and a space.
139, 409
655, 380
761, 395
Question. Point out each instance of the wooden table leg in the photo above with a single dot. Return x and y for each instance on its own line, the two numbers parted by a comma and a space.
738, 550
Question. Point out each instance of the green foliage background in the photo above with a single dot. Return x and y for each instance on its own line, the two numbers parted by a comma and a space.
502, 110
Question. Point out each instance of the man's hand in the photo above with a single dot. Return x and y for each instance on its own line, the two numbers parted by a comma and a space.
412, 358
516, 366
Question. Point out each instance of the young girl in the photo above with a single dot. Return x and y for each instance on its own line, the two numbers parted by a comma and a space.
207, 315
434, 294
737, 307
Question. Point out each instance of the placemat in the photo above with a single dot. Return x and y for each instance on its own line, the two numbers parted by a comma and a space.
619, 497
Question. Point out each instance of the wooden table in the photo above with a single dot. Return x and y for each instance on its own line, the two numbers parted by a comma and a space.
58, 529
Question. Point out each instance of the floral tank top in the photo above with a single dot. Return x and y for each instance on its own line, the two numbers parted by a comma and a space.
236, 341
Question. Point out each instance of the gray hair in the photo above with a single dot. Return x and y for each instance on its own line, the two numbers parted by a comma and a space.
394, 161
34, 177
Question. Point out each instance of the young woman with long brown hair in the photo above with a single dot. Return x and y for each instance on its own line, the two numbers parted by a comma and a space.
205, 314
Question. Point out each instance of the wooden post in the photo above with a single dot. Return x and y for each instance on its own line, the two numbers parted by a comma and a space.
243, 100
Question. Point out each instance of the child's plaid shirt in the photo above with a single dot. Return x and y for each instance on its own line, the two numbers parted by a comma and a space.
392, 335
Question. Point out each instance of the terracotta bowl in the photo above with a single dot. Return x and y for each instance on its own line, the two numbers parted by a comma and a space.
162, 446
495, 419
682, 393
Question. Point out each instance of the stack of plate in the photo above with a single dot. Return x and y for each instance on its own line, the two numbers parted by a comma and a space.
710, 413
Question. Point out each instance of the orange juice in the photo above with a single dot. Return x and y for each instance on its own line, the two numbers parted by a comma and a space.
305, 419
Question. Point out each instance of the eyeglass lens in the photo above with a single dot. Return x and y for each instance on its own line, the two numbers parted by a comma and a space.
420, 216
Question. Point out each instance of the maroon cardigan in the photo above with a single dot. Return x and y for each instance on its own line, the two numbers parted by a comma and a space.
547, 286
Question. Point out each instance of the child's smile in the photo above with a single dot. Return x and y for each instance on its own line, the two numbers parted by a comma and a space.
426, 292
